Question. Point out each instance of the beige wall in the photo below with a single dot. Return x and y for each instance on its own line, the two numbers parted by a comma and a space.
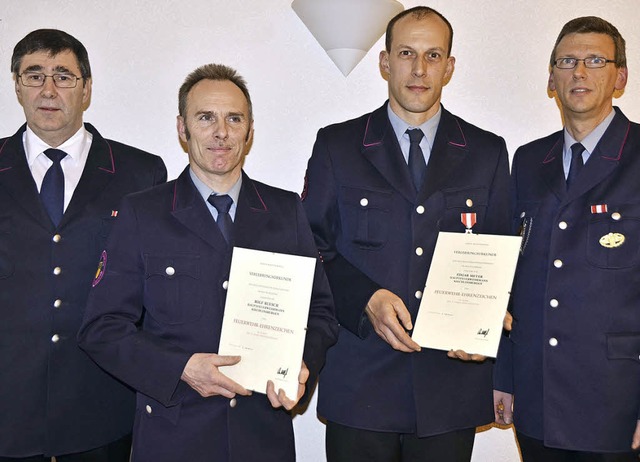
141, 50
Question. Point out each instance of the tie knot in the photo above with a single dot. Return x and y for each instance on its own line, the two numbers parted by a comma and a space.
415, 135
221, 203
576, 150
56, 155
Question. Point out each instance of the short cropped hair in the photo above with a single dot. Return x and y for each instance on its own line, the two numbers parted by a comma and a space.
418, 12
212, 72
594, 25
52, 41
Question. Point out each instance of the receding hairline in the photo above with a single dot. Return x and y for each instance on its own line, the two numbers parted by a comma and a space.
215, 72
248, 113
418, 13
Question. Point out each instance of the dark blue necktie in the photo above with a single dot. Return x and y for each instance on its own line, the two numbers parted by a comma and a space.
576, 163
52, 189
417, 165
223, 204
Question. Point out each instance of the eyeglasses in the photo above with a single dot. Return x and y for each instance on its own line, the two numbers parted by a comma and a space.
592, 62
37, 79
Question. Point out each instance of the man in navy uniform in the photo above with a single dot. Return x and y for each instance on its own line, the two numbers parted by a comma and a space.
167, 264
379, 189
571, 366
60, 186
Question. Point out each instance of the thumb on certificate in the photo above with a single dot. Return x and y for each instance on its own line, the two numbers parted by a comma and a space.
223, 360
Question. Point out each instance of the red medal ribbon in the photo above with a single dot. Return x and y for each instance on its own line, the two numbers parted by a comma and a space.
468, 219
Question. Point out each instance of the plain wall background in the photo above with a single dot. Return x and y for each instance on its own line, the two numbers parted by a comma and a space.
141, 51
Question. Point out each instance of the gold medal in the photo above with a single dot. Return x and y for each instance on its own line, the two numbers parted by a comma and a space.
612, 240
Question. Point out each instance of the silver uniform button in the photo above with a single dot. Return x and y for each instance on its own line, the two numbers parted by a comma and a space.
55, 338
420, 209
364, 202
469, 203
148, 409
57, 303
57, 270
418, 294
170, 270
562, 225
225, 285
522, 214
553, 303
419, 251
553, 341
616, 216
56, 238
233, 402
557, 263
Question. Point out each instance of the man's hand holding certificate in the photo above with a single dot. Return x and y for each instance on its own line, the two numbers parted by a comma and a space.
466, 294
265, 322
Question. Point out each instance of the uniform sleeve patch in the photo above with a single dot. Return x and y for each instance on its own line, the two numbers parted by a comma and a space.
102, 267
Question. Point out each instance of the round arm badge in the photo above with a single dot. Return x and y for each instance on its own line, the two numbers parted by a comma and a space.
102, 267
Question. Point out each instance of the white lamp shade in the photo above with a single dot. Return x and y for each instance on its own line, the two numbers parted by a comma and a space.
346, 29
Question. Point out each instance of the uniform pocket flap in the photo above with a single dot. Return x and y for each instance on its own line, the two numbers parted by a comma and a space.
367, 198
623, 346
467, 198
153, 409
173, 266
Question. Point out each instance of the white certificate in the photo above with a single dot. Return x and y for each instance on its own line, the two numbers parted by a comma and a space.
265, 318
467, 291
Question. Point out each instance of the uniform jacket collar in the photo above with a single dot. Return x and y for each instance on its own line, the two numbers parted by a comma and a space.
16, 177
381, 148
188, 207
606, 157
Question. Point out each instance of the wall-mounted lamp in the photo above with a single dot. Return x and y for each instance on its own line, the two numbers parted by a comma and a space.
346, 29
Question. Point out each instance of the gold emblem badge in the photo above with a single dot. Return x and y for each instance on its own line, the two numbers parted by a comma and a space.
612, 240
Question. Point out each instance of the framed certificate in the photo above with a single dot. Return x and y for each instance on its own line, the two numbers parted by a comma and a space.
467, 291
265, 318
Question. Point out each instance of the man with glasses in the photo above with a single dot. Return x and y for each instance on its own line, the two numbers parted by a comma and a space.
60, 186
569, 375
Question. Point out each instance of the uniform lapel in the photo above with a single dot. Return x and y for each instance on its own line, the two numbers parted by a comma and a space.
552, 170
17, 180
189, 208
380, 147
252, 214
448, 151
605, 158
98, 172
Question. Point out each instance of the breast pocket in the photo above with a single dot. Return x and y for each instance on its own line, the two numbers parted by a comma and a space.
173, 288
366, 216
464, 208
613, 238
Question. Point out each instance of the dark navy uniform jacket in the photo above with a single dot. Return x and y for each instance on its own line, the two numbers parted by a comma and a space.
373, 231
573, 357
53, 398
167, 266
